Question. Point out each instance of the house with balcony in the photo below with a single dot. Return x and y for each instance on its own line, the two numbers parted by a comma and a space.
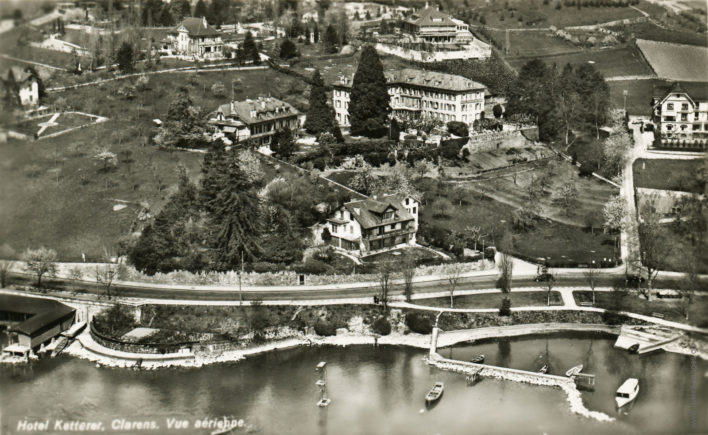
374, 224
416, 94
194, 37
680, 113
256, 120
434, 27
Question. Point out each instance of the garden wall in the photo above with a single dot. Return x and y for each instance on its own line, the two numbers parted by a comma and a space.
147, 348
500, 140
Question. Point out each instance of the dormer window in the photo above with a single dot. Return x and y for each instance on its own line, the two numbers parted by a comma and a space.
388, 215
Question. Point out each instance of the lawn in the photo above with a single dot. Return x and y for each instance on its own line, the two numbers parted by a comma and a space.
617, 61
494, 300
55, 192
639, 95
670, 174
670, 308
592, 193
678, 247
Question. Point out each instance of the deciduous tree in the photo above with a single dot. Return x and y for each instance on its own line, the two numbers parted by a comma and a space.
453, 273
41, 262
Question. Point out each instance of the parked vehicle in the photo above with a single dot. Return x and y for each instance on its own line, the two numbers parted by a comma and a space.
634, 280
544, 277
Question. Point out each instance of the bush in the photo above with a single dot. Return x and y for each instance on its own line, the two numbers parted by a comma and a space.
314, 267
381, 326
325, 328
265, 267
419, 322
218, 90
458, 128
505, 309
613, 318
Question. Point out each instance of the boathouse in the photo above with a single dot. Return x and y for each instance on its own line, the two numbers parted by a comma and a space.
33, 322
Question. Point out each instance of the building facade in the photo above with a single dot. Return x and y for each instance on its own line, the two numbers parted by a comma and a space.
416, 94
366, 226
195, 37
21, 87
680, 114
432, 26
255, 120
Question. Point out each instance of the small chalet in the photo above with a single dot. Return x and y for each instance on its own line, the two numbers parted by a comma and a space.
21, 87
195, 37
374, 224
257, 119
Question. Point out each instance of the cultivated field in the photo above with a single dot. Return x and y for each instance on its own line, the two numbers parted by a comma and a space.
529, 44
676, 61
621, 61
639, 94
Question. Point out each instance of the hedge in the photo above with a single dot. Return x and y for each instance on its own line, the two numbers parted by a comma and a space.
325, 328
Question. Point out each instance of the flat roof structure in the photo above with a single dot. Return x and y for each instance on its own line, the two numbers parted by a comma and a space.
43, 313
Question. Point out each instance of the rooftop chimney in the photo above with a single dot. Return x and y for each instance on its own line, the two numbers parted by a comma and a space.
204, 22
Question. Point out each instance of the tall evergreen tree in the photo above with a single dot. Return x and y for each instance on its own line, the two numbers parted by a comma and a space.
369, 102
125, 57
330, 40
250, 50
320, 116
200, 10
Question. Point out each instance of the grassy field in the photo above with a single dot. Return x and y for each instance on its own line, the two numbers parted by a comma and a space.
592, 193
670, 174
678, 248
639, 94
653, 32
620, 61
54, 193
494, 300
528, 44
497, 14
670, 308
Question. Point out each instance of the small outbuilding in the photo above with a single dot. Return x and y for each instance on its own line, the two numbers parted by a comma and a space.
33, 321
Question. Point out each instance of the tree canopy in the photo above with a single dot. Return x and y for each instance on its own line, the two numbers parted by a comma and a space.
369, 106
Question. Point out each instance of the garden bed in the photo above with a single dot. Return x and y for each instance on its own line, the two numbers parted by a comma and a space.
665, 174
494, 300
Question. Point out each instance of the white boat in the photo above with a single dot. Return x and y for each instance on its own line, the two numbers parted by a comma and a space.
435, 393
627, 392
574, 370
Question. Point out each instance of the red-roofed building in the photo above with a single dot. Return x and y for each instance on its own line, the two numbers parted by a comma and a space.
374, 224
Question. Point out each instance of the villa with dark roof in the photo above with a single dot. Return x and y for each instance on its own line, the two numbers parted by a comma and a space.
416, 93
256, 120
195, 37
20, 87
365, 226
680, 113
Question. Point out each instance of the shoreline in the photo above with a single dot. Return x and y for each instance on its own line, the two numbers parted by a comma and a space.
84, 347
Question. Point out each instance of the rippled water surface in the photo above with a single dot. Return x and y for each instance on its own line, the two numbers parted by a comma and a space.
374, 390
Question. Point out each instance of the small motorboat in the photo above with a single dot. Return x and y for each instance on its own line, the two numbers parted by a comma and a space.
543, 370
633, 348
479, 359
574, 371
435, 393
627, 392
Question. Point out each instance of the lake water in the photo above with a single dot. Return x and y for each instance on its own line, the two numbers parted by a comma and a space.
374, 390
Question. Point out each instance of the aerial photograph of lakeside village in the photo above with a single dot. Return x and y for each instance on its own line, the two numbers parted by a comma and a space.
353, 217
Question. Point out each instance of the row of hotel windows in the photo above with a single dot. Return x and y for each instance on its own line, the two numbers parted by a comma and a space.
684, 117
419, 93
684, 127
271, 126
